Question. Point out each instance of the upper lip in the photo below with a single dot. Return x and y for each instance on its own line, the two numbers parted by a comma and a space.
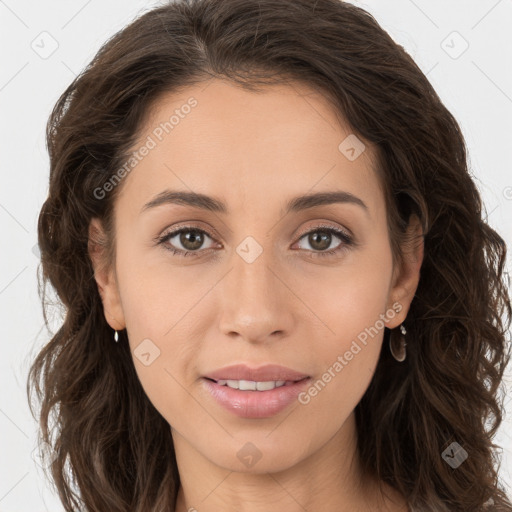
268, 372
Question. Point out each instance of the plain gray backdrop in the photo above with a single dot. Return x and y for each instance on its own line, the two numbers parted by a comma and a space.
464, 47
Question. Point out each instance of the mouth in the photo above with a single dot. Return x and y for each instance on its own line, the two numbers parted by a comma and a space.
255, 393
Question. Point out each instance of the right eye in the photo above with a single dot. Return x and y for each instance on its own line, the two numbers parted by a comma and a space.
190, 239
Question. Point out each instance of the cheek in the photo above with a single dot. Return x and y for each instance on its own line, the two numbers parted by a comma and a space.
352, 299
156, 293
352, 306
162, 303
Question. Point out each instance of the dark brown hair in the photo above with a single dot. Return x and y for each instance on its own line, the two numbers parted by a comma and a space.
113, 450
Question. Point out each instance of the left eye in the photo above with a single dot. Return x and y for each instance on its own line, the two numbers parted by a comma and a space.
321, 239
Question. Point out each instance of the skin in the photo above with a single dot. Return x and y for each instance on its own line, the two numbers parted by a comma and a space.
254, 151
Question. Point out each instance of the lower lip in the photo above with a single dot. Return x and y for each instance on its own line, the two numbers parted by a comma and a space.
255, 404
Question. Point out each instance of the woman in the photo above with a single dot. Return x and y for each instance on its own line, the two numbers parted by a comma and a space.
280, 292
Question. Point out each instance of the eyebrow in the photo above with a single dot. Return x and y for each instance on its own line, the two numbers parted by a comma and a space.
212, 204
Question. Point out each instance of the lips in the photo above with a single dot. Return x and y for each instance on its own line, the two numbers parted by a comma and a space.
269, 372
265, 401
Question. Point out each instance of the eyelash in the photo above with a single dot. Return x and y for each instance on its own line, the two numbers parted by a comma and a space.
347, 240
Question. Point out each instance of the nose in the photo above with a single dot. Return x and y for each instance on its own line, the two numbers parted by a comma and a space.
255, 303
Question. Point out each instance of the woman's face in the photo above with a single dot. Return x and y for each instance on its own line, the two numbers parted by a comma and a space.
268, 279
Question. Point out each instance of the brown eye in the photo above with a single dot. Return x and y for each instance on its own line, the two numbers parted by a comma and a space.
186, 241
191, 240
321, 239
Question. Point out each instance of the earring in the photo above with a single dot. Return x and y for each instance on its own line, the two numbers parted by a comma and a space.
397, 344
116, 336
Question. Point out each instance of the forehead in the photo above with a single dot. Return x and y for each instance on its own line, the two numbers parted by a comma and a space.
218, 138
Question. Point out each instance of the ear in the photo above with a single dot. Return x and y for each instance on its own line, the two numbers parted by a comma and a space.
406, 277
104, 275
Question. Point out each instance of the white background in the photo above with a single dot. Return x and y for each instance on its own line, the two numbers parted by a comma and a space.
476, 87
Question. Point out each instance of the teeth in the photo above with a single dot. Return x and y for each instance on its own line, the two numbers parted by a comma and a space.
245, 385
251, 385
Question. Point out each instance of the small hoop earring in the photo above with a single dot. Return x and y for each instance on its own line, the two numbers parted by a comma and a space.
116, 336
397, 344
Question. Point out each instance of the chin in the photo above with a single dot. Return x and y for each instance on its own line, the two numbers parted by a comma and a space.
256, 457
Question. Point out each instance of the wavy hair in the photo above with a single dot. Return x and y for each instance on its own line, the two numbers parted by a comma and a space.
112, 450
